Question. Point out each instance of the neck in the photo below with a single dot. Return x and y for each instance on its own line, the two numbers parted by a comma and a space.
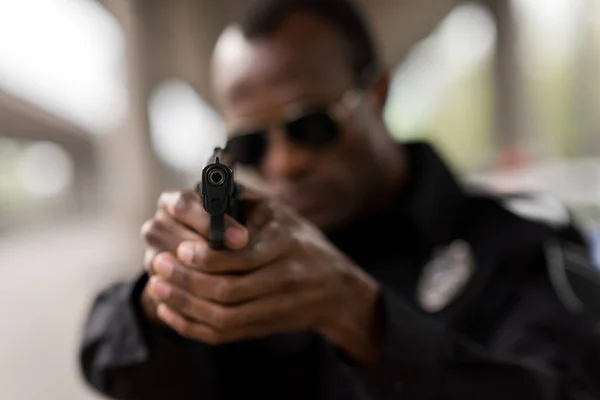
392, 167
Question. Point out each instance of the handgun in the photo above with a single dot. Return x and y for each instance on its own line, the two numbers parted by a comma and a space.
220, 196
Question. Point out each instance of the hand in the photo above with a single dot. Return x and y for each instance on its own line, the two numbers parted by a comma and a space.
180, 217
288, 278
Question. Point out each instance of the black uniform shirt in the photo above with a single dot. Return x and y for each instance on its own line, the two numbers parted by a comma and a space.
500, 332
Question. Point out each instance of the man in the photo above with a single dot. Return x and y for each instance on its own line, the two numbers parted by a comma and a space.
367, 273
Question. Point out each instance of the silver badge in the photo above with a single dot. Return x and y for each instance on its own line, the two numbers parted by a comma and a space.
445, 276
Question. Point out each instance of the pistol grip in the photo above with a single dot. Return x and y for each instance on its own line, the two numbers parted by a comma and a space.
216, 237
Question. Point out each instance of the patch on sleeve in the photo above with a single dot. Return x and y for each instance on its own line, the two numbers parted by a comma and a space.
541, 208
444, 278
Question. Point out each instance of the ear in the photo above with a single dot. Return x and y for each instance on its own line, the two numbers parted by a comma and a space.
380, 90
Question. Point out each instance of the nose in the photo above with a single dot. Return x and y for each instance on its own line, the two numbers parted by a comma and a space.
284, 159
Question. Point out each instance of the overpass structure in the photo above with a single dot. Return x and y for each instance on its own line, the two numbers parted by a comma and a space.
120, 173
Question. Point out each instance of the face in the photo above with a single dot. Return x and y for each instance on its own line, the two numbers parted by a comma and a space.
300, 66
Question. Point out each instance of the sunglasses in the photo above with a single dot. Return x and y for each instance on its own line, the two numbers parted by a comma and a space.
313, 129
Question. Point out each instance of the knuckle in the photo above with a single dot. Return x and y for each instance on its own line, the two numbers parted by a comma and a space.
291, 284
183, 302
164, 199
182, 203
152, 237
274, 227
189, 253
213, 337
184, 278
149, 256
147, 228
162, 255
202, 257
221, 317
224, 290
153, 229
185, 329
272, 207
275, 236
160, 221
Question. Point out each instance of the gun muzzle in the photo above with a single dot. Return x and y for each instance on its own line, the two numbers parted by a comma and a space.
218, 191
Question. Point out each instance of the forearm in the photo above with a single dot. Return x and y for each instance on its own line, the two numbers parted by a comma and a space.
421, 359
358, 328
126, 355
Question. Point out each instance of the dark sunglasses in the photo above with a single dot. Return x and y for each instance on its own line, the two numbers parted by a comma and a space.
313, 129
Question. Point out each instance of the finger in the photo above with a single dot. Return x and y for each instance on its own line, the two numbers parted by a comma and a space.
186, 207
164, 264
267, 245
183, 326
149, 256
188, 305
163, 233
191, 329
227, 289
270, 308
223, 289
210, 335
171, 270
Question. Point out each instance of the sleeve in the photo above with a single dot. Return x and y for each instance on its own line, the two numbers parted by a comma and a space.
422, 360
538, 351
125, 356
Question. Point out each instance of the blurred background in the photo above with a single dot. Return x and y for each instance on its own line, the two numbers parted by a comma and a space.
105, 103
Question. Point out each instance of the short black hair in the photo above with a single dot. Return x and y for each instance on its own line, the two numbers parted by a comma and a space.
260, 17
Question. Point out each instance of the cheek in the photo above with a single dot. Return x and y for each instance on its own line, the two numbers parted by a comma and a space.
355, 149
347, 171
358, 158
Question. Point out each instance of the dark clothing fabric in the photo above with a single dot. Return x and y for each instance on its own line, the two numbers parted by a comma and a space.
506, 335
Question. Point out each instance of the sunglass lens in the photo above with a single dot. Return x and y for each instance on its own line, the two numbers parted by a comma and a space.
248, 148
315, 130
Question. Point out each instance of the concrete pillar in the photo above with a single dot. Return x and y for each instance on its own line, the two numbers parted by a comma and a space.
133, 176
587, 86
511, 129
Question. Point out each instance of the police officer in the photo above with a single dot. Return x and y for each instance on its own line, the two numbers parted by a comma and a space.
369, 272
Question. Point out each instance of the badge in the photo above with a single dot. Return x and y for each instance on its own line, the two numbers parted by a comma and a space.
445, 276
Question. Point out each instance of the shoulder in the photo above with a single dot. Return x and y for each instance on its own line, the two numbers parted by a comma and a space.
560, 239
505, 226
540, 208
536, 213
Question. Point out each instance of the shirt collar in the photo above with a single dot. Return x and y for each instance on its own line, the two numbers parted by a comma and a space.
421, 216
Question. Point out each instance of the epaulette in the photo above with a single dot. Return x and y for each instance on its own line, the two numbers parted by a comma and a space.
538, 207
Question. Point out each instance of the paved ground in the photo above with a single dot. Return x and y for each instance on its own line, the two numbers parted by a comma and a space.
48, 279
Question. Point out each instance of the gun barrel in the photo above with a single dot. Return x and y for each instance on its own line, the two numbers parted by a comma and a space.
219, 193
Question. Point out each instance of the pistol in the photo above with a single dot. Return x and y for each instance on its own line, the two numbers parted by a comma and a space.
220, 195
